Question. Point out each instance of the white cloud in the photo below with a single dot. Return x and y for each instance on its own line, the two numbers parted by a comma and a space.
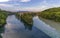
16, 7
4, 0
20, 0
6, 5
12, 7
25, 0
42, 6
45, 5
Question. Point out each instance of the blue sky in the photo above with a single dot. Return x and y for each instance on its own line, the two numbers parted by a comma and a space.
28, 5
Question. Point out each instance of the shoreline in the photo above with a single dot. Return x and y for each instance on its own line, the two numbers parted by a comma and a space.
52, 23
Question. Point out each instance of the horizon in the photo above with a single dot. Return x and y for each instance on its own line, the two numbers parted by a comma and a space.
28, 5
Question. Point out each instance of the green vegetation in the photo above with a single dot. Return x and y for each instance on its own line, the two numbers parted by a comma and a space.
25, 17
3, 16
52, 14
18, 16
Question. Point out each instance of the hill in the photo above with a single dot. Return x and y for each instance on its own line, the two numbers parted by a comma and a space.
52, 14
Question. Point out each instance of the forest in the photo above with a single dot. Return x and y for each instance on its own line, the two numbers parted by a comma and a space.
51, 14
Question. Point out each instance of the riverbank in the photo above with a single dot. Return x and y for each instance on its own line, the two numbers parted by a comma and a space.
46, 28
51, 14
52, 23
3, 17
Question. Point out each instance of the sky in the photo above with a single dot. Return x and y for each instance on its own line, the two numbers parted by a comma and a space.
28, 5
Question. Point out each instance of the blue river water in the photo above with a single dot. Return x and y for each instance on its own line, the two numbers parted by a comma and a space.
17, 29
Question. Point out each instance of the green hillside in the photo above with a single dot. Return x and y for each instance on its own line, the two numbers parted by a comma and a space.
52, 14
3, 16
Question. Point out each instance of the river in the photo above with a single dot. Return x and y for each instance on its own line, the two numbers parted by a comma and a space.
17, 29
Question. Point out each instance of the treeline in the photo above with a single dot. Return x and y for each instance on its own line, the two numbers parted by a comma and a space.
3, 16
52, 14
25, 17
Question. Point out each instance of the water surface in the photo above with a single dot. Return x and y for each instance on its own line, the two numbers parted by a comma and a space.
16, 29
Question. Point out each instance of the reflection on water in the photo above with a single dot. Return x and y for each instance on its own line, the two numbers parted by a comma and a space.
29, 27
16, 29
0, 36
1, 31
52, 32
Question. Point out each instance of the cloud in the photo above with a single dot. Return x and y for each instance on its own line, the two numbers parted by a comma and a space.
45, 4
5, 5
4, 0
20, 0
25, 0
8, 7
